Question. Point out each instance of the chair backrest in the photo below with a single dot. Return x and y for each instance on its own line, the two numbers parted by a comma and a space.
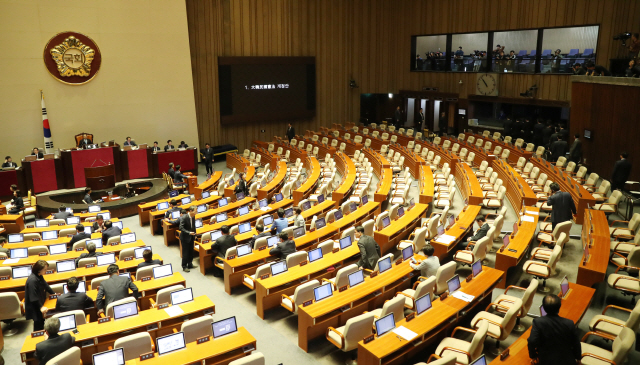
527, 298
379, 219
633, 321
604, 187
145, 271
95, 282
382, 258
69, 357
109, 311
509, 319
127, 252
356, 329
66, 231
592, 179
395, 306
304, 293
432, 226
134, 345
164, 295
196, 328
540, 151
342, 276
622, 345
393, 212
79, 244
555, 255
530, 147
87, 261
36, 250
614, 198
563, 227
351, 231
477, 342
444, 273
368, 227
480, 248
426, 286
634, 222
419, 239
10, 305
296, 258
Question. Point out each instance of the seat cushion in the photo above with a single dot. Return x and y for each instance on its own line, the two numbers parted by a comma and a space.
545, 236
541, 253
494, 330
618, 260
287, 303
617, 230
407, 301
604, 208
591, 349
334, 336
546, 226
623, 283
464, 256
534, 267
456, 344
505, 304
606, 327
248, 281
622, 247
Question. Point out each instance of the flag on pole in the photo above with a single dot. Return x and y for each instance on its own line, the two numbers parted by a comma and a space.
48, 141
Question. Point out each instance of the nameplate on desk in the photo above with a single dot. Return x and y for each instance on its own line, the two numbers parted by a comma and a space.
48, 272
444, 295
203, 339
469, 277
90, 266
335, 250
104, 320
62, 224
512, 250
373, 275
36, 239
262, 248
368, 339
53, 296
162, 306
231, 257
342, 288
153, 327
128, 258
37, 334
399, 261
410, 317
265, 276
146, 278
114, 243
69, 235
4, 278
304, 263
42, 254
148, 355
30, 226
307, 303
79, 249
504, 355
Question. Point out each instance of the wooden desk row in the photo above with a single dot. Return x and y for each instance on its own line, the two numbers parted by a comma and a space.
514, 152
507, 261
347, 169
595, 232
39, 230
312, 167
249, 172
401, 228
156, 216
462, 225
426, 185
210, 184
519, 192
468, 183
82, 216
275, 185
67, 240
145, 208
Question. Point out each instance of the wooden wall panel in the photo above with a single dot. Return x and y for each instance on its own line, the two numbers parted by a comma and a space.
369, 41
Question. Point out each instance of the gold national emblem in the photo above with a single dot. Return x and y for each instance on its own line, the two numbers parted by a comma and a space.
73, 58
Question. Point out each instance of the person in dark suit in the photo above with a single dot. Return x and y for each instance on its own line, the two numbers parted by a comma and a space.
148, 259
129, 142
35, 294
36, 152
187, 227
62, 213
98, 225
91, 252
621, 172
207, 155
242, 185
171, 171
178, 176
155, 147
538, 133
554, 136
169, 146
443, 124
80, 235
562, 205
114, 288
422, 120
369, 250
564, 132
575, 152
261, 233
397, 117
174, 207
72, 300
54, 344
16, 203
87, 196
480, 233
220, 246
8, 162
547, 132
183, 145
291, 132
84, 142
284, 248
131, 192
558, 148
553, 339
110, 231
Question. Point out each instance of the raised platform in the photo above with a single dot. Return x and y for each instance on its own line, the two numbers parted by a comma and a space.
149, 190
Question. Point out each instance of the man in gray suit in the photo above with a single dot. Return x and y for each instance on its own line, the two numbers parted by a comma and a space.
62, 213
369, 250
114, 288
561, 204
480, 233
110, 231
187, 229
91, 252
284, 248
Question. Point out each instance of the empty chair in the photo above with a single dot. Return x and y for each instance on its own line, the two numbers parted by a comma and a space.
135, 345
590, 184
422, 287
69, 357
109, 311
464, 351
550, 239
342, 276
164, 295
250, 280
630, 264
444, 273
37, 250
621, 346
612, 326
625, 247
346, 338
95, 283
196, 328
617, 232
478, 252
418, 241
394, 305
87, 261
543, 269
296, 258
611, 206
11, 309
145, 271
604, 188
506, 300
256, 358
302, 294
499, 327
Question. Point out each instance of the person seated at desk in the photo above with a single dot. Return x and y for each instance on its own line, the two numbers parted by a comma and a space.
298, 219
553, 339
284, 248
3, 250
98, 225
72, 300
36, 152
169, 146
174, 207
242, 185
261, 233
222, 244
16, 203
110, 231
129, 142
84, 142
183, 145
113, 289
480, 233
87, 196
62, 213
369, 250
171, 172
429, 266
131, 192
280, 223
178, 176
148, 259
53, 344
8, 162
156, 148
80, 235
91, 252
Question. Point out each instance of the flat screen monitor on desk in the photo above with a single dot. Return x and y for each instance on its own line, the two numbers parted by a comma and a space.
67, 322
95, 241
288, 212
82, 287
49, 235
170, 343
201, 208
322, 292
453, 284
106, 216
162, 206
162, 271
127, 238
272, 241
139, 251
320, 198
205, 194
356, 278
476, 268
181, 296
221, 217
298, 232
315, 254
175, 214
278, 197
222, 202
69, 210
106, 259
337, 215
244, 227
440, 230
40, 223
173, 193
118, 224
385, 324
320, 223
365, 200
263, 203
386, 222
125, 310
407, 253
18, 272
73, 220
505, 240
278, 268
239, 196
224, 327
267, 220
111, 357
67, 265
198, 223
423, 303
94, 208
345, 242
16, 238
18, 253
125, 274
480, 361
400, 212
243, 250
412, 203
215, 235
58, 249
243, 210
306, 206
384, 264
452, 220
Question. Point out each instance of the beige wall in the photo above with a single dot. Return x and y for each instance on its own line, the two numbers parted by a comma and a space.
144, 88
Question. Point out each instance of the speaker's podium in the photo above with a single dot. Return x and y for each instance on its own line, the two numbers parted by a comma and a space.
100, 177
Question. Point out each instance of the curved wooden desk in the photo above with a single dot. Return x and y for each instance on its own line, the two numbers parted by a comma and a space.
276, 183
519, 192
595, 231
468, 183
145, 208
401, 228
506, 260
347, 169
463, 224
313, 169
